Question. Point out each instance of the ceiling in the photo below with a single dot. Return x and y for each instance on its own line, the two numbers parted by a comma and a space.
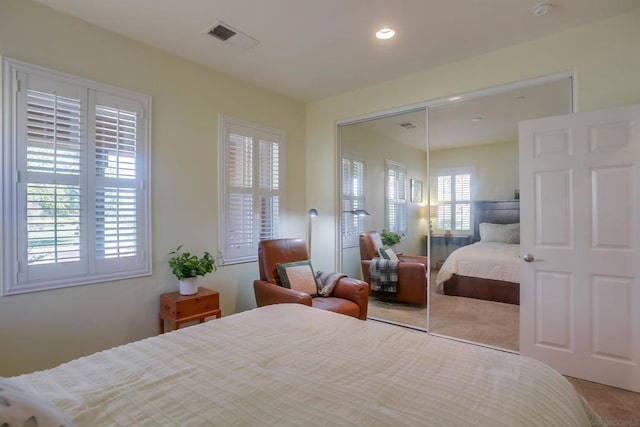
476, 121
312, 49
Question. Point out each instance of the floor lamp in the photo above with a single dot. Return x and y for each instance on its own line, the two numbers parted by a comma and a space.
312, 214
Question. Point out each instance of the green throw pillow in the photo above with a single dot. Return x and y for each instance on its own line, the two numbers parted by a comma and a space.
298, 276
387, 253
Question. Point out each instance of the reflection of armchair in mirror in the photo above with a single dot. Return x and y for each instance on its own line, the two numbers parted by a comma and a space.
412, 270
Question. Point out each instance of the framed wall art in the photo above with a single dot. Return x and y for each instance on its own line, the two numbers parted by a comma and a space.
416, 191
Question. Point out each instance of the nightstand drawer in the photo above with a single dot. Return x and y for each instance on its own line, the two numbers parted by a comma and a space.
185, 306
180, 309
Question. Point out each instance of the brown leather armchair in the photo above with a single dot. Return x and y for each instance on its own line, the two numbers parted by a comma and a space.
350, 296
412, 270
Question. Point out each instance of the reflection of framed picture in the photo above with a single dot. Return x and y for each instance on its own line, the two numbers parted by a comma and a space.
416, 191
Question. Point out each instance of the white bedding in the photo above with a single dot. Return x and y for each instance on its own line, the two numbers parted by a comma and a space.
290, 364
486, 260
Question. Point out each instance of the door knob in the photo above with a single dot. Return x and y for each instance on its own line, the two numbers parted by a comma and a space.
529, 258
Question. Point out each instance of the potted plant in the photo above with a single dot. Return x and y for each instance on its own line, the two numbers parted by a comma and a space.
187, 268
389, 238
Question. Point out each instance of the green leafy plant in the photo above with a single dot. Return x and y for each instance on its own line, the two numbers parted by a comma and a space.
389, 238
184, 265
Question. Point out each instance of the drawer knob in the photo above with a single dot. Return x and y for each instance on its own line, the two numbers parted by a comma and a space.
198, 299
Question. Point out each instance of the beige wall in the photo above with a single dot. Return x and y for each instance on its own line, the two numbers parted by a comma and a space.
44, 328
41, 329
375, 149
605, 57
496, 168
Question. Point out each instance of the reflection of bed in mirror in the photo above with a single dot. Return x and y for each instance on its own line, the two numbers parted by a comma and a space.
489, 269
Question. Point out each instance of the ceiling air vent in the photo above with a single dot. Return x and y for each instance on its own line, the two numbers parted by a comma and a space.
408, 125
221, 32
231, 36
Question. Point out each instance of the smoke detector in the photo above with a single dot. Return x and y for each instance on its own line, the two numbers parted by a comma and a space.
231, 36
408, 125
541, 8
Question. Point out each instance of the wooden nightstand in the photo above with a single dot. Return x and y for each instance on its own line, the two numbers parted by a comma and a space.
442, 246
180, 309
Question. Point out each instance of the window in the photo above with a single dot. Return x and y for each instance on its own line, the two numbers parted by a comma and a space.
353, 197
252, 193
396, 197
454, 189
76, 181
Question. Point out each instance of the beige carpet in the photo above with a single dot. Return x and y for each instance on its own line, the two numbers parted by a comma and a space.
616, 407
486, 322
497, 324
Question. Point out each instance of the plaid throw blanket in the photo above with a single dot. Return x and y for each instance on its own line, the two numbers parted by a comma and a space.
383, 275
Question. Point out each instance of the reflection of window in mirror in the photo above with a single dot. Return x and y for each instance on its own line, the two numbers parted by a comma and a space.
396, 197
353, 197
454, 188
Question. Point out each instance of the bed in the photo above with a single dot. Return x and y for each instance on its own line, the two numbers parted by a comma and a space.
289, 364
485, 270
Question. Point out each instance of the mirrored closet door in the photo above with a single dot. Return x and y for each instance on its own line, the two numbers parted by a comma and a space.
474, 202
426, 186
384, 198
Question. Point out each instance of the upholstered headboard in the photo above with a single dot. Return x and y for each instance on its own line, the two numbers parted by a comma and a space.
495, 212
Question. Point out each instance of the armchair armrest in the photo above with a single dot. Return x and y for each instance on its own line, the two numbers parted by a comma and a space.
267, 293
412, 271
414, 258
412, 282
353, 290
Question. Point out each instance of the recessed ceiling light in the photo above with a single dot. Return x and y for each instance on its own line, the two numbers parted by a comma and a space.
455, 98
476, 119
385, 33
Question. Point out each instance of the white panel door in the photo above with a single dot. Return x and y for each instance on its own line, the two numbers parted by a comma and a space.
580, 244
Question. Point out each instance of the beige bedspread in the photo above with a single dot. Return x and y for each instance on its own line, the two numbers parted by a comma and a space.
486, 260
294, 365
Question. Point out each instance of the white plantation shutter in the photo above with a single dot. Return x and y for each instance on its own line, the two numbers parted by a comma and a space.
463, 187
396, 197
79, 178
463, 217
240, 205
119, 203
269, 187
463, 202
52, 153
353, 197
116, 222
251, 174
444, 188
444, 217
444, 198
454, 189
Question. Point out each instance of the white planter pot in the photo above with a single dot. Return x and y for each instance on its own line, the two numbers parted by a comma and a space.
188, 286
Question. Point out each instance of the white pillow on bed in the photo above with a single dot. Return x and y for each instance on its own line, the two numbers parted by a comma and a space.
21, 408
504, 233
